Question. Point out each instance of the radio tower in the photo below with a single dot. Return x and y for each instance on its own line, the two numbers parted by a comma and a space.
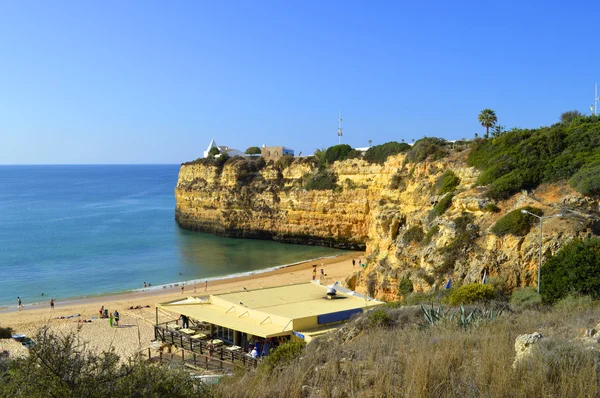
340, 126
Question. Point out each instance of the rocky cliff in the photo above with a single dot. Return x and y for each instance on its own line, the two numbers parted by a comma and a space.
387, 210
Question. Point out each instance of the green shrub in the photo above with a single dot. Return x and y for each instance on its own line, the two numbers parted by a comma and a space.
354, 154
379, 153
492, 208
574, 269
574, 302
587, 180
283, 355
472, 293
428, 147
284, 162
214, 151
405, 287
253, 150
516, 222
447, 182
441, 206
379, 317
522, 159
430, 234
526, 298
321, 180
337, 152
5, 333
413, 234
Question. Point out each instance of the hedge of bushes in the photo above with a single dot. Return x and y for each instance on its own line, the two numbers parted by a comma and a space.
522, 158
379, 153
516, 222
428, 147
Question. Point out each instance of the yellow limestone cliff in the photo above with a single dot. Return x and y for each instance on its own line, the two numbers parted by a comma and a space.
379, 208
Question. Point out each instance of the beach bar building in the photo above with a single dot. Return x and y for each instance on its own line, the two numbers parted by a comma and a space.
300, 311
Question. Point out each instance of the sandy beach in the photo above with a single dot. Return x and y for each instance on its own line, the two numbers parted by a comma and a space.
135, 331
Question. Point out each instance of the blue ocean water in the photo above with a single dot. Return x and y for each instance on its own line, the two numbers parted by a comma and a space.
73, 231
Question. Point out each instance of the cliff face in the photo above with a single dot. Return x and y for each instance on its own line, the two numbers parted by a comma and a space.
377, 208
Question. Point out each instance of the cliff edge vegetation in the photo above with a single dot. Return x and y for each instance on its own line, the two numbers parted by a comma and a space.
429, 212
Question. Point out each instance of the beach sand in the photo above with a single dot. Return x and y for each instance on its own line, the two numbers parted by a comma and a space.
135, 330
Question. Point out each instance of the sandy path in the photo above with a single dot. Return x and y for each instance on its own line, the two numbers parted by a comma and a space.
135, 331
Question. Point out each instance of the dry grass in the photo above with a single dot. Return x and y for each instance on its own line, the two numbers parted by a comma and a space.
408, 360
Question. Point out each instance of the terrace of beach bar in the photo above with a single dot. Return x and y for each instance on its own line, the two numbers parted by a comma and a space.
299, 311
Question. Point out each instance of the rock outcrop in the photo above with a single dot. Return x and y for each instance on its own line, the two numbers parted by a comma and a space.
374, 207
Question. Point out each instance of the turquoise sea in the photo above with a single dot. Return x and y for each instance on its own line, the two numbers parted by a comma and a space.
74, 231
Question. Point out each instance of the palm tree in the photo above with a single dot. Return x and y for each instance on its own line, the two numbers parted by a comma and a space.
488, 119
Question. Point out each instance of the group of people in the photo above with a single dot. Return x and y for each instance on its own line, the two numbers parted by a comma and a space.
113, 317
262, 348
323, 274
360, 263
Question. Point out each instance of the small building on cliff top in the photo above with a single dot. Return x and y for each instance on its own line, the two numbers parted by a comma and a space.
275, 152
231, 152
300, 312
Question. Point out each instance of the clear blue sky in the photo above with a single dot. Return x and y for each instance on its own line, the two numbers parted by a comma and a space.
153, 82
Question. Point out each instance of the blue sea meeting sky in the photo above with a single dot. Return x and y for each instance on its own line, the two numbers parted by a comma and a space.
154, 82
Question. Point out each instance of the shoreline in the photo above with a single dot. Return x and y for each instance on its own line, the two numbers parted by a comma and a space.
138, 311
175, 287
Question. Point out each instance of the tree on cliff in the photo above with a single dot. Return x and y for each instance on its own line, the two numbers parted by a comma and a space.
253, 150
488, 119
569, 116
214, 151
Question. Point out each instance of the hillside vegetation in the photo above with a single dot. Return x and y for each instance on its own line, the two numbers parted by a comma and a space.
524, 158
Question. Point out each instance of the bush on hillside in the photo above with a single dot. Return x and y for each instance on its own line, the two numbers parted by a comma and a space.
522, 158
447, 182
492, 208
428, 147
574, 269
466, 231
379, 153
62, 366
587, 180
472, 293
516, 222
441, 206
283, 355
526, 298
379, 318
321, 180
413, 234
337, 152
430, 234
405, 287
284, 162
354, 154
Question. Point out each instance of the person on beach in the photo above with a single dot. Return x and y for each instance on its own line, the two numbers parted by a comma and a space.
144, 284
19, 304
51, 304
205, 285
353, 263
116, 315
101, 312
181, 289
110, 319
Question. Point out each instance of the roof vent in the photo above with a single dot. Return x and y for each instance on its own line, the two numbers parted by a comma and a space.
331, 292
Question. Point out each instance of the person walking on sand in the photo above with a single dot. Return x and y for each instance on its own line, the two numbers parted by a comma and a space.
181, 289
116, 315
353, 263
19, 304
205, 285
194, 288
51, 304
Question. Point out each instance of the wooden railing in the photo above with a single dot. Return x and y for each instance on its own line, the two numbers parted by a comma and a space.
202, 348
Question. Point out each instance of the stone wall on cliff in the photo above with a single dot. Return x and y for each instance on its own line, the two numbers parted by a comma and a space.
373, 208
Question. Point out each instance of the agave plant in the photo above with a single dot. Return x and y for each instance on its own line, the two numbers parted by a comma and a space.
464, 318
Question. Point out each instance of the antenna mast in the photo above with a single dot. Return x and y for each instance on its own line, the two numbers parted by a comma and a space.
339, 126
